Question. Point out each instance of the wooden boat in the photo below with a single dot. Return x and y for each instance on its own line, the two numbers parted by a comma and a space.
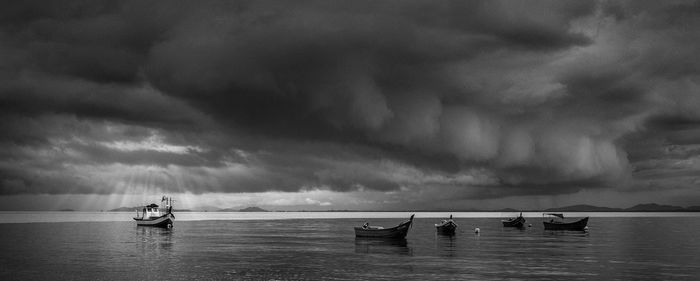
447, 226
151, 215
518, 222
556, 223
398, 231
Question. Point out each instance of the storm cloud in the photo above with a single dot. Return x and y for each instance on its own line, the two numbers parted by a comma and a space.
483, 98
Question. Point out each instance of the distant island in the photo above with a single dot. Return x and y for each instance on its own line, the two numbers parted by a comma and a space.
132, 209
124, 209
649, 207
252, 209
249, 209
585, 208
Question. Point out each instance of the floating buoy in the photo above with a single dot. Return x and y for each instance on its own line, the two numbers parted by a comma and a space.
585, 228
477, 230
529, 225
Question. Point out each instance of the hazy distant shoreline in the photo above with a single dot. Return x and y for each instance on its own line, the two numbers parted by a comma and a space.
648, 207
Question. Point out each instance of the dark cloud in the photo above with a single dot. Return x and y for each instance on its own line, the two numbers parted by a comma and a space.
320, 68
488, 98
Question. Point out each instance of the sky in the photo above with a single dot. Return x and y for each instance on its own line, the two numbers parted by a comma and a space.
349, 105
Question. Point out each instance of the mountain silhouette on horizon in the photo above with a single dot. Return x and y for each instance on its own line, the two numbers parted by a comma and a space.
646, 207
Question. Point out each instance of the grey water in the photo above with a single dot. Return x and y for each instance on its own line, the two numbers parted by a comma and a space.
615, 248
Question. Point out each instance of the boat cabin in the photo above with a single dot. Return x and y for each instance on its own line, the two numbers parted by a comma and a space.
149, 211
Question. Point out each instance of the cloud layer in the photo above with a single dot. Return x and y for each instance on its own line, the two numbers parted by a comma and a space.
486, 98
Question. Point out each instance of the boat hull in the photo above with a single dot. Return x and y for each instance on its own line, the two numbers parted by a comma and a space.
162, 221
579, 225
518, 222
447, 227
399, 231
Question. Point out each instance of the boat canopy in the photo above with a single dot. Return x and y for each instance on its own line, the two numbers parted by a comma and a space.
152, 206
557, 215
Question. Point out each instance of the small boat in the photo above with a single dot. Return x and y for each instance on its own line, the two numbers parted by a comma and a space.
398, 231
556, 223
518, 222
151, 215
447, 226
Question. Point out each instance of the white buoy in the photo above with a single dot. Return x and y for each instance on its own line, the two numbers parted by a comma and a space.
529, 225
585, 228
477, 230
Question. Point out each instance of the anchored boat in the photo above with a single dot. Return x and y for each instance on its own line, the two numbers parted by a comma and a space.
556, 223
518, 222
398, 231
152, 215
447, 226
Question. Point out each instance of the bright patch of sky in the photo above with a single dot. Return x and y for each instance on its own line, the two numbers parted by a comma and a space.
155, 143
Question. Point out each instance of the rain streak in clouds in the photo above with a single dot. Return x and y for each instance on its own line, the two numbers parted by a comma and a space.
421, 100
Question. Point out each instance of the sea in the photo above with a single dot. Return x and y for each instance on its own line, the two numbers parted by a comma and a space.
322, 246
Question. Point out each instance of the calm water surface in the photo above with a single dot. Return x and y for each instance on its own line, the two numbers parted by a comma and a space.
653, 247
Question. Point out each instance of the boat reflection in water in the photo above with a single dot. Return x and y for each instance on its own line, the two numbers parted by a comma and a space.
445, 245
153, 240
387, 246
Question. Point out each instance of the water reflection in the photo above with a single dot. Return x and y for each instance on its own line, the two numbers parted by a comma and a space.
446, 234
155, 237
387, 246
565, 233
615, 249
445, 245
514, 229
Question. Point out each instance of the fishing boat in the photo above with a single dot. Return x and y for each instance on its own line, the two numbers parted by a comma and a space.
152, 215
518, 222
556, 223
398, 231
447, 226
